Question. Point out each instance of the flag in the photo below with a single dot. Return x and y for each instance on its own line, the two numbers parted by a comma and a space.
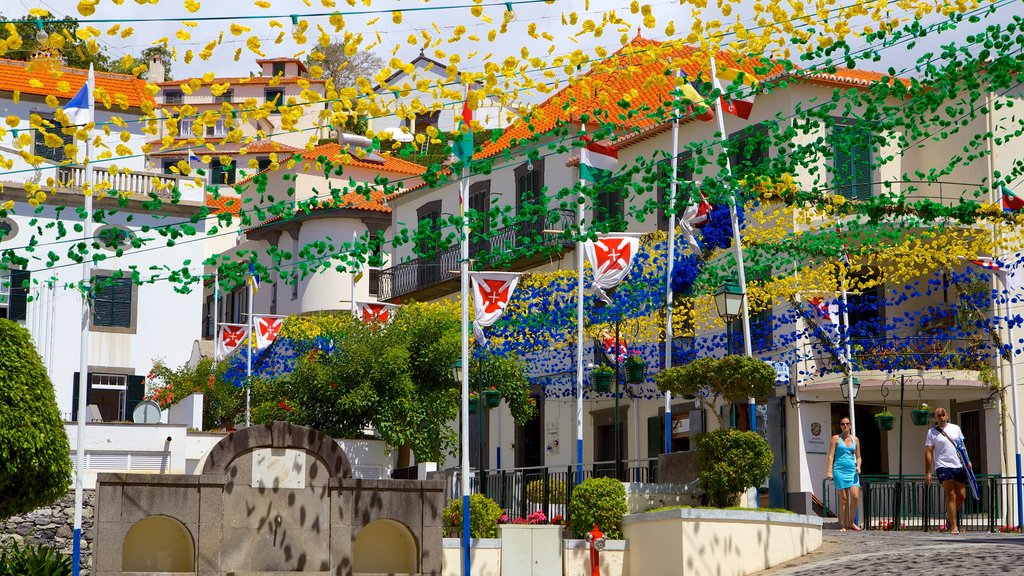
492, 292
826, 315
229, 336
1006, 270
267, 328
610, 257
598, 161
378, 312
1011, 202
695, 216
81, 108
696, 105
463, 147
738, 93
608, 343
193, 158
254, 278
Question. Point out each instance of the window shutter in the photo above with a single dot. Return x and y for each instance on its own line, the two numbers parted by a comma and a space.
121, 305
655, 436
74, 396
136, 390
18, 308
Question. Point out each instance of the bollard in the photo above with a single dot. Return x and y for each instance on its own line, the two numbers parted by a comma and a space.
597, 541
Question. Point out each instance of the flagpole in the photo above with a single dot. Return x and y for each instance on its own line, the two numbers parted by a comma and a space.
845, 333
248, 357
464, 424
579, 324
737, 245
216, 311
1013, 401
352, 276
669, 334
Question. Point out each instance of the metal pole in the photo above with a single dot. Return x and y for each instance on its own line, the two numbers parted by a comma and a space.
668, 266
618, 452
738, 247
849, 361
898, 520
248, 359
464, 273
481, 406
1013, 401
83, 373
579, 332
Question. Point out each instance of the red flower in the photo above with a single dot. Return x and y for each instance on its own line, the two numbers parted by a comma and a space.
284, 406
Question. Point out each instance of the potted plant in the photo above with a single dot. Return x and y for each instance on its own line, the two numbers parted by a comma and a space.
885, 419
601, 378
474, 402
922, 415
635, 368
492, 397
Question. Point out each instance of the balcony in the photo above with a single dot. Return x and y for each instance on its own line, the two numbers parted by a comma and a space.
144, 184
428, 277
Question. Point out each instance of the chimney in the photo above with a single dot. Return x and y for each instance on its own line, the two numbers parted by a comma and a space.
157, 71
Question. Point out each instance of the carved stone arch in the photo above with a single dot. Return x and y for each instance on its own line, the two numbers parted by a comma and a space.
278, 435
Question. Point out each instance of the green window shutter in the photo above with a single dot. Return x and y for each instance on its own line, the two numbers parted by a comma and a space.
655, 435
74, 396
136, 390
18, 306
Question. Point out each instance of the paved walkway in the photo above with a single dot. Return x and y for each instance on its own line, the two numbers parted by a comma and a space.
909, 554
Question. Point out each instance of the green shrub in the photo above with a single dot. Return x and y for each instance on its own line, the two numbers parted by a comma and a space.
731, 461
33, 561
483, 517
600, 501
556, 491
34, 466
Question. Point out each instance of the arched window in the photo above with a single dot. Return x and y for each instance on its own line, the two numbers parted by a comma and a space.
158, 544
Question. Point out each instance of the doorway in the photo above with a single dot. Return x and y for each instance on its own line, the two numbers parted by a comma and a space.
873, 451
530, 436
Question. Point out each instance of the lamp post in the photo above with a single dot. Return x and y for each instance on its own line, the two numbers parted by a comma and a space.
729, 302
898, 507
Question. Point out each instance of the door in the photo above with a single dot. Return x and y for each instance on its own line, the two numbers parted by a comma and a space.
530, 437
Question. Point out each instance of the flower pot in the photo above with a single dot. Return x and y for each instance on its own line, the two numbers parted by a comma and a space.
884, 422
634, 373
492, 398
601, 381
474, 403
921, 416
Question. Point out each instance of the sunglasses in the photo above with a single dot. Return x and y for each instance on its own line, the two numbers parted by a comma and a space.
844, 423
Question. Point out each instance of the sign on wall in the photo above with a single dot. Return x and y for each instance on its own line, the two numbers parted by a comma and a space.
816, 439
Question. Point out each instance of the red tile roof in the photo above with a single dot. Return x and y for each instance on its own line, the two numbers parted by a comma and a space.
223, 204
242, 81
41, 78
376, 202
336, 154
181, 145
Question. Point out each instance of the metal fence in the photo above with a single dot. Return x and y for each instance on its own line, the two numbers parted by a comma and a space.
888, 504
548, 489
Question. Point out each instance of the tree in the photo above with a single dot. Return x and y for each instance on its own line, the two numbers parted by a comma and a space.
342, 68
34, 466
75, 53
223, 403
731, 461
732, 378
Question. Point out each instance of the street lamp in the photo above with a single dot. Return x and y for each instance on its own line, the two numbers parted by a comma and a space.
729, 303
845, 387
457, 371
891, 381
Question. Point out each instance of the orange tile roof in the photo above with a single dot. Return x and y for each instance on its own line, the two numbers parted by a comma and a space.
376, 202
241, 81
335, 153
631, 92
223, 204
181, 145
42, 79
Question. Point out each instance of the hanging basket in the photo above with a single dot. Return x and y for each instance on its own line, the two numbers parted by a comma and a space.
921, 416
634, 373
474, 403
601, 381
492, 398
885, 421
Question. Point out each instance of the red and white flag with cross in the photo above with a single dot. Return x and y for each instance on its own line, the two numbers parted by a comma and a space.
229, 336
267, 328
610, 257
378, 312
492, 292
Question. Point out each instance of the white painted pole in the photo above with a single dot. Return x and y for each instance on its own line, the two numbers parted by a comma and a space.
579, 326
216, 313
670, 259
464, 411
352, 276
849, 357
248, 358
1013, 401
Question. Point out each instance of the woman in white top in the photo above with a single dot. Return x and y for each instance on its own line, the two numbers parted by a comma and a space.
940, 454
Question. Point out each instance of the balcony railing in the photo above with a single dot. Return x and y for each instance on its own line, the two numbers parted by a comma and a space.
893, 353
497, 249
135, 183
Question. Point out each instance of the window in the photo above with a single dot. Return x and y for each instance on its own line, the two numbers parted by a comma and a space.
262, 164
295, 256
748, 151
480, 204
185, 124
173, 97
428, 237
227, 96
55, 154
221, 174
851, 145
218, 128
685, 192
376, 259
170, 166
14, 294
277, 69
610, 208
115, 394
113, 305
275, 95
208, 320
530, 203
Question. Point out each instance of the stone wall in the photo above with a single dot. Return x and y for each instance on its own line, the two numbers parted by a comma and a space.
53, 526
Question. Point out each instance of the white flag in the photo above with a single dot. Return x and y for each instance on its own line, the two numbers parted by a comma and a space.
827, 316
229, 336
80, 109
492, 292
379, 312
610, 257
267, 328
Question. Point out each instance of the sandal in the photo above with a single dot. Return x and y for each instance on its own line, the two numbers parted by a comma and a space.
856, 528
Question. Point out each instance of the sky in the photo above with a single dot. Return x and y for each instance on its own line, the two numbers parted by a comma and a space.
422, 15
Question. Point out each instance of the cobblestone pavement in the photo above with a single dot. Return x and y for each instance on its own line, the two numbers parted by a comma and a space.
909, 554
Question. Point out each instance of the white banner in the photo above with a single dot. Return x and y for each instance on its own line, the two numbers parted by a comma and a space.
267, 328
375, 312
492, 292
610, 257
229, 336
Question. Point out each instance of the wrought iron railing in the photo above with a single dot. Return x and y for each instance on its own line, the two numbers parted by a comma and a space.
500, 248
889, 504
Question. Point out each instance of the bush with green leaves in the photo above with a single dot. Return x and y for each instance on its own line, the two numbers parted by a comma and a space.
731, 461
33, 560
34, 466
483, 517
556, 491
600, 501
732, 378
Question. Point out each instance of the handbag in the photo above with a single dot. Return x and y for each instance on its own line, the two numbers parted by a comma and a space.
965, 462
